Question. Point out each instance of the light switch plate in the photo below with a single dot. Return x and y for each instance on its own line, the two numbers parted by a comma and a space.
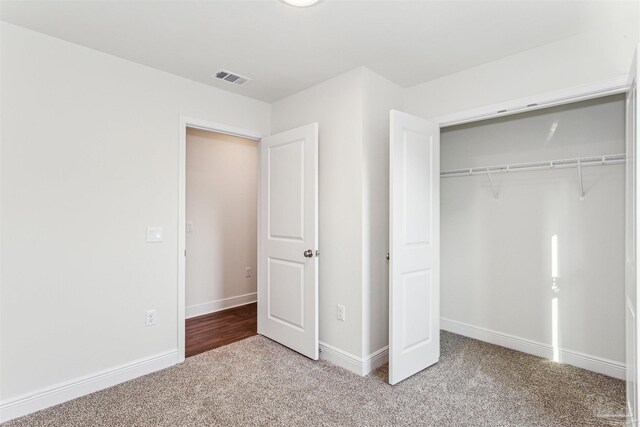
189, 227
154, 234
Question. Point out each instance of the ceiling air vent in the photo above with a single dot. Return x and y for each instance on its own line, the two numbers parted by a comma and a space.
230, 77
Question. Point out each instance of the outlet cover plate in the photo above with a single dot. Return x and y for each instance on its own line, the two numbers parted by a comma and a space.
150, 318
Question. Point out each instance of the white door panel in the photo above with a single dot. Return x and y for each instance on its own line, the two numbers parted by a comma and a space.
414, 273
631, 241
287, 279
286, 190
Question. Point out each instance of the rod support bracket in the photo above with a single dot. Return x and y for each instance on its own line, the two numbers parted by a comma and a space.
493, 187
580, 183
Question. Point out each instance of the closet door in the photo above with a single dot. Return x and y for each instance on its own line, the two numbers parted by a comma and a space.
414, 259
631, 235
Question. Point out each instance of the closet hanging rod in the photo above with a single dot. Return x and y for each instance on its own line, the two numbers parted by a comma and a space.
607, 159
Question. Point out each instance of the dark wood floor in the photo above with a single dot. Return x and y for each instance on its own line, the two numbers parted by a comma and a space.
204, 333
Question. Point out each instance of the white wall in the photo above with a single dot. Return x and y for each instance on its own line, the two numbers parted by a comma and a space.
496, 253
221, 199
574, 61
337, 106
89, 160
379, 97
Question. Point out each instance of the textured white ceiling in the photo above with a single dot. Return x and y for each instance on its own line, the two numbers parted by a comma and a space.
286, 49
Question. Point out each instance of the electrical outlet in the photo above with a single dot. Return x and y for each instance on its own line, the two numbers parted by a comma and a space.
340, 313
150, 318
247, 272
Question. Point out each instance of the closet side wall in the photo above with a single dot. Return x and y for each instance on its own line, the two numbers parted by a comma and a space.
499, 256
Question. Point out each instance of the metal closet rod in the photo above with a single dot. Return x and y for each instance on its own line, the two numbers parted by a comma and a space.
607, 159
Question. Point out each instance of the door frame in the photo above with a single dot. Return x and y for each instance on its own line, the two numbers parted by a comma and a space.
544, 100
191, 122
540, 101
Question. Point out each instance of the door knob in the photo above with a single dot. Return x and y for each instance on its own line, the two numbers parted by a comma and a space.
308, 253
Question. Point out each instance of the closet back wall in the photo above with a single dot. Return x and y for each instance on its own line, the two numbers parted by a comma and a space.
222, 206
497, 254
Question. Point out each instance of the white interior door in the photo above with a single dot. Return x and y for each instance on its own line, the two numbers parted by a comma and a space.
414, 263
288, 236
631, 237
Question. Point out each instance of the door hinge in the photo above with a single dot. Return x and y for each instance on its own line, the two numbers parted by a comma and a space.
317, 252
387, 256
185, 252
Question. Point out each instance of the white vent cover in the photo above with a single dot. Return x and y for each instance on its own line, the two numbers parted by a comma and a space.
230, 77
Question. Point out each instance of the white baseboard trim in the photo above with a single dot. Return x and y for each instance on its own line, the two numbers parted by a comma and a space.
341, 358
31, 402
219, 305
570, 357
375, 360
353, 363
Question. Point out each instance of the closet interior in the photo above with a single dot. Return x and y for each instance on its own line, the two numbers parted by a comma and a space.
532, 232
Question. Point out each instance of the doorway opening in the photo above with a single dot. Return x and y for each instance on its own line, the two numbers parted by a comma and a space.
287, 183
221, 239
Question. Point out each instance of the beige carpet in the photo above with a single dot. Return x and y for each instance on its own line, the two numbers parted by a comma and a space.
258, 382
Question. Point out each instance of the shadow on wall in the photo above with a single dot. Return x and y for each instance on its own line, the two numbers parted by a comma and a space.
555, 289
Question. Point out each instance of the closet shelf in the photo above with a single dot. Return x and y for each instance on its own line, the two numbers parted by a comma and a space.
578, 162
608, 159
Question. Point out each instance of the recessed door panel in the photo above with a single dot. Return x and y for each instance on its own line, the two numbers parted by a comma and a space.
416, 295
286, 190
417, 186
286, 292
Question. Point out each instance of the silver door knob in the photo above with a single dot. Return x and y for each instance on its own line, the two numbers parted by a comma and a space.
308, 253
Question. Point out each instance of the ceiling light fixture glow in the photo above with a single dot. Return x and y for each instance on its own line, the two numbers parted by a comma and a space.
301, 3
